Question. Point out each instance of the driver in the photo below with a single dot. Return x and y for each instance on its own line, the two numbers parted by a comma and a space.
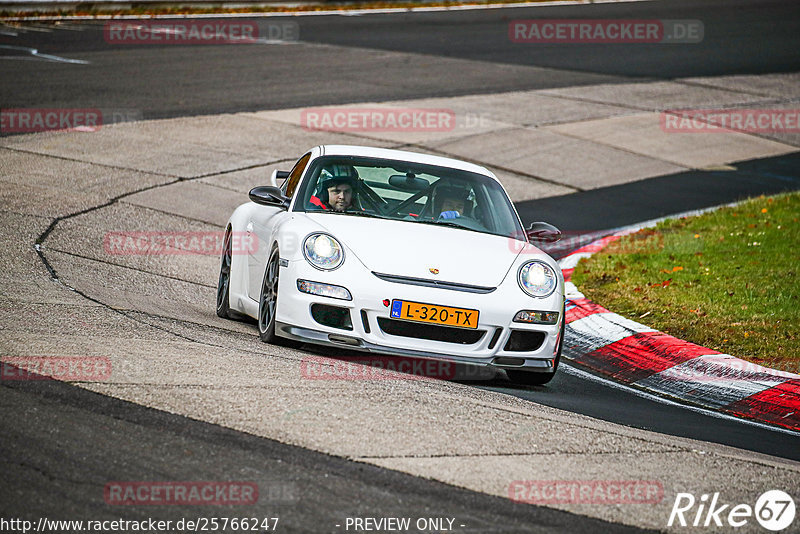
450, 202
337, 189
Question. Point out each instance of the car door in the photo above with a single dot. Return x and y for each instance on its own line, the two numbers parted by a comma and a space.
260, 227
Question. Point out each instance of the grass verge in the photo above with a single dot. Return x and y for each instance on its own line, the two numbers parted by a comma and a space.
726, 280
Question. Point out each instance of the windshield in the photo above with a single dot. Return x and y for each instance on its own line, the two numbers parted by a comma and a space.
404, 191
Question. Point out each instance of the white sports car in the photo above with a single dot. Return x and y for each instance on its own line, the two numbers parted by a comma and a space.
397, 253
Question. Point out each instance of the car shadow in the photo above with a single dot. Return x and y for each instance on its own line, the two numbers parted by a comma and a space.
355, 365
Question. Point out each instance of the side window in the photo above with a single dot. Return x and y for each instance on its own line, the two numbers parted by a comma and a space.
295, 174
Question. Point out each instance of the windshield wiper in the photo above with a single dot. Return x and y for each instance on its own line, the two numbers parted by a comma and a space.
452, 225
356, 213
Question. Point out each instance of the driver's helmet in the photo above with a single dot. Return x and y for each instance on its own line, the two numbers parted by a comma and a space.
335, 174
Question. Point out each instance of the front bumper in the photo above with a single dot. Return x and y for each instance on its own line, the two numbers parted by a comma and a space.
317, 337
294, 319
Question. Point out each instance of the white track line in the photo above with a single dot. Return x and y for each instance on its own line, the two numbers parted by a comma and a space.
40, 29
47, 57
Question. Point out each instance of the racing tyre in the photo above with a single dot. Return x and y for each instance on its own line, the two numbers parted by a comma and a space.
224, 284
268, 302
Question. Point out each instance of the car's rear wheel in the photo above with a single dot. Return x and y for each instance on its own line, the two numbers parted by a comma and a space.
224, 283
529, 378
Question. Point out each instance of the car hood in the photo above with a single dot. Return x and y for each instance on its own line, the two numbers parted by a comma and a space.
404, 248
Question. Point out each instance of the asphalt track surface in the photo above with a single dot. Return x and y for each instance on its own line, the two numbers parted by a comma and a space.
160, 81
73, 441
623, 205
47, 460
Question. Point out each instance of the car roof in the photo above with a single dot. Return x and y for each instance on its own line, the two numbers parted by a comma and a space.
403, 155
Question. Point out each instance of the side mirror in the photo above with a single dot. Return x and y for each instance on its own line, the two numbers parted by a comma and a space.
541, 231
277, 175
268, 195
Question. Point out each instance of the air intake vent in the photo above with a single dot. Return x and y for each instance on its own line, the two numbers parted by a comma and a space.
428, 331
365, 321
524, 341
433, 283
495, 338
333, 316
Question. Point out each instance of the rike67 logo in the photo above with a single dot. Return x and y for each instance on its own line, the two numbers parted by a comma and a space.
774, 510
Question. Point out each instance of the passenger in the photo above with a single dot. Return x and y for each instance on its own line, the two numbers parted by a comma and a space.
450, 202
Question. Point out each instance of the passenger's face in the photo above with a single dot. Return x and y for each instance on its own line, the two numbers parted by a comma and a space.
453, 204
340, 196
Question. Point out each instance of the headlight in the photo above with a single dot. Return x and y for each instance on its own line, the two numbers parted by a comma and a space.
323, 252
537, 279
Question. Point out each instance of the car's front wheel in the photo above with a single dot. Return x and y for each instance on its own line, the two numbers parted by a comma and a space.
268, 302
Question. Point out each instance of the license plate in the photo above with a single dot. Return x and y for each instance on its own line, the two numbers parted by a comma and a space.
433, 313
